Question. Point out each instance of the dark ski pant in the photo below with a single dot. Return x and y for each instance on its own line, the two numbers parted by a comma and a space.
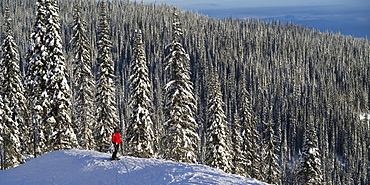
116, 147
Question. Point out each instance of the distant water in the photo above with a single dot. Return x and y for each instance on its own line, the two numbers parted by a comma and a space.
354, 21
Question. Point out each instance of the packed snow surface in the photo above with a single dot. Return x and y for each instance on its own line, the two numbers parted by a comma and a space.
90, 167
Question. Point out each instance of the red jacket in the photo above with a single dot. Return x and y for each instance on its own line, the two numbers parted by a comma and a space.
116, 137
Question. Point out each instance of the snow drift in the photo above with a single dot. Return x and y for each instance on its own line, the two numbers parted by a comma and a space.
90, 167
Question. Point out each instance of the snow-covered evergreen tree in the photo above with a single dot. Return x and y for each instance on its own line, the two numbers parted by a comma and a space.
270, 168
250, 137
13, 129
83, 83
239, 161
2, 126
107, 115
48, 89
218, 149
310, 160
59, 116
181, 140
140, 134
36, 82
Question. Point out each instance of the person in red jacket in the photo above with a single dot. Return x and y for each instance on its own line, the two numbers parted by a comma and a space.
116, 140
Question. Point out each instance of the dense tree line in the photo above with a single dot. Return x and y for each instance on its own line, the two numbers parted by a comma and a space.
308, 83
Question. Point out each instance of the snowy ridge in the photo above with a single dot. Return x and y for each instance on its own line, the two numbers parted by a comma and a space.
90, 167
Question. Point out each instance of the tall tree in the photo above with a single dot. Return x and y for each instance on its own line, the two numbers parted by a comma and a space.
84, 83
59, 120
14, 130
270, 168
107, 115
48, 87
2, 126
310, 159
239, 160
218, 149
181, 140
250, 136
140, 134
36, 81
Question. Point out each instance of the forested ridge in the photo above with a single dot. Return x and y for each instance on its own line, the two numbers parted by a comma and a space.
297, 78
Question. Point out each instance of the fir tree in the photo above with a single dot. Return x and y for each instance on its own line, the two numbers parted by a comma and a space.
310, 159
250, 137
84, 83
140, 135
2, 127
48, 88
14, 130
59, 121
239, 161
218, 149
181, 140
270, 167
107, 115
36, 81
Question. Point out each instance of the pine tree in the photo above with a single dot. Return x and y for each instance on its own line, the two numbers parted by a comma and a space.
84, 83
36, 82
250, 137
140, 135
181, 140
218, 149
271, 169
239, 161
14, 130
59, 117
2, 127
310, 159
107, 115
47, 83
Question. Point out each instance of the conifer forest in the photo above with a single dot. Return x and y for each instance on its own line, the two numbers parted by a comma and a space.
275, 101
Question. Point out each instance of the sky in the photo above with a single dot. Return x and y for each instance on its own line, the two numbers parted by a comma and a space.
350, 17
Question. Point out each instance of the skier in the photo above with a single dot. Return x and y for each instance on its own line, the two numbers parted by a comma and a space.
116, 140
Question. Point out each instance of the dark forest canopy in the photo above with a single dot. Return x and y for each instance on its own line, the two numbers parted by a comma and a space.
294, 74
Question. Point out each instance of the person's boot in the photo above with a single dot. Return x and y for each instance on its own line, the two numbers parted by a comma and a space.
114, 156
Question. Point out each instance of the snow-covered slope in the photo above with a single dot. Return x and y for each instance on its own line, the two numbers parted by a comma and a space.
90, 167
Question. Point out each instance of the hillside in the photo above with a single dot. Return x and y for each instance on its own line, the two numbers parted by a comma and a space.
89, 167
295, 76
